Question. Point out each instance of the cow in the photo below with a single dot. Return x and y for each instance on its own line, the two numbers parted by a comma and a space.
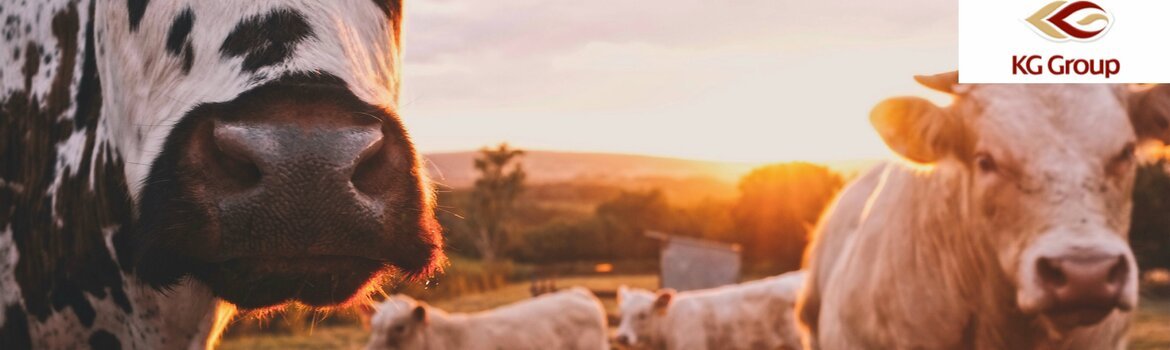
165, 163
1003, 227
751, 315
571, 319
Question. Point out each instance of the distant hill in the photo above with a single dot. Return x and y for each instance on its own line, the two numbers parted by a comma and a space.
454, 169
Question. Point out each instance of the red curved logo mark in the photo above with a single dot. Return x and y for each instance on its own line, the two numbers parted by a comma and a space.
1055, 20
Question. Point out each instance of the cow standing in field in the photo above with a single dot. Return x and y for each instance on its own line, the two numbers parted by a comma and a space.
750, 315
1011, 233
164, 162
572, 319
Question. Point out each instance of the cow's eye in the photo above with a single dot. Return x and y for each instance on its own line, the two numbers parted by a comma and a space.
399, 328
1122, 160
641, 316
1126, 155
986, 163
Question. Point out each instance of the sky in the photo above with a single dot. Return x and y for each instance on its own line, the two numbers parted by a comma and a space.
728, 80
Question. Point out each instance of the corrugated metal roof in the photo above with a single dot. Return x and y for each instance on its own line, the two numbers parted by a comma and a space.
693, 241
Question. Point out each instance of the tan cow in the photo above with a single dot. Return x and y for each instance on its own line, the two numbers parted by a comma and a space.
572, 319
1009, 233
751, 315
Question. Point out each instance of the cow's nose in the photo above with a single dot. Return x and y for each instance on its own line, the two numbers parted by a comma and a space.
283, 157
297, 187
623, 339
1089, 286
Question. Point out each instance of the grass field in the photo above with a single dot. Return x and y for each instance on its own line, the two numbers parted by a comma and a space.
354, 337
1151, 328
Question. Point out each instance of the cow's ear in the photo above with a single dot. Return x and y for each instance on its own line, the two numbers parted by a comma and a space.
1149, 110
419, 313
917, 129
942, 82
663, 299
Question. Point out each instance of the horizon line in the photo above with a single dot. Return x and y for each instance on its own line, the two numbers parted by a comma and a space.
665, 156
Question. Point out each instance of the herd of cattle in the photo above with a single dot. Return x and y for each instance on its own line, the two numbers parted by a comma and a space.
751, 315
164, 163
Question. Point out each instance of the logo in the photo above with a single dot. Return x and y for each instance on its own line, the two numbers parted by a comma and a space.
1055, 21
1075, 41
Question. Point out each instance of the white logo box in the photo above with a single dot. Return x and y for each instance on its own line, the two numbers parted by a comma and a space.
993, 32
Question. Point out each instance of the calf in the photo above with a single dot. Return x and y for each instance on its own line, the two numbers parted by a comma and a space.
165, 162
572, 319
751, 315
1009, 233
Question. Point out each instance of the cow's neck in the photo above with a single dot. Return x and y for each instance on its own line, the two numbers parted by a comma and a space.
185, 316
446, 331
192, 315
931, 236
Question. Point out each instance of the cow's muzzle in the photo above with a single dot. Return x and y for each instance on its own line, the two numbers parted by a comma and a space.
1078, 285
296, 190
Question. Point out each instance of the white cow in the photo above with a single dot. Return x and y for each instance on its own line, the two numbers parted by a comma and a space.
572, 319
751, 315
1010, 233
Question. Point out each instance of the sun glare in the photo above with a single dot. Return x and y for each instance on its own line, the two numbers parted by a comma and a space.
748, 118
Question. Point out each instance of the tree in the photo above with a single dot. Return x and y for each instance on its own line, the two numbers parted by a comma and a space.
501, 180
625, 220
778, 205
1149, 235
614, 231
708, 219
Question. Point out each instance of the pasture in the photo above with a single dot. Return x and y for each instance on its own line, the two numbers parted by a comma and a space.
1151, 325
1151, 328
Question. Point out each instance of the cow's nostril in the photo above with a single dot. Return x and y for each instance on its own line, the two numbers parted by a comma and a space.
370, 174
1119, 271
623, 339
232, 160
1050, 272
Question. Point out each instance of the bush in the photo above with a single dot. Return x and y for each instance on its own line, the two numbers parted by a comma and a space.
778, 206
614, 232
1156, 283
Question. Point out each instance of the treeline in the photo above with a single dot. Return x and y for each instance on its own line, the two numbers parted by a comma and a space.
1149, 234
770, 218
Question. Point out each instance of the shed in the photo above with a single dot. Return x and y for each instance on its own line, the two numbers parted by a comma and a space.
692, 263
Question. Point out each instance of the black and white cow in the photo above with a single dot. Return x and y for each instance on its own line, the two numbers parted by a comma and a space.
163, 162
